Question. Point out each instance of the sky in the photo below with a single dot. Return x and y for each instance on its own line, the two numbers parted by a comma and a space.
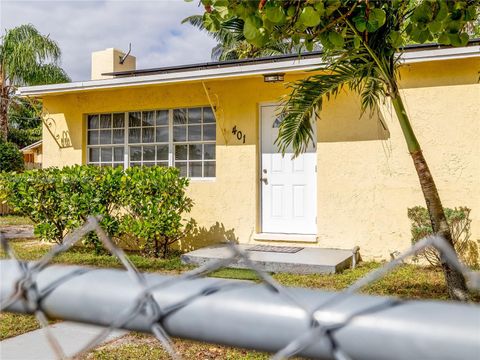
81, 26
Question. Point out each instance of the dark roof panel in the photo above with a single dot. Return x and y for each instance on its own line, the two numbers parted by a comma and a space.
269, 59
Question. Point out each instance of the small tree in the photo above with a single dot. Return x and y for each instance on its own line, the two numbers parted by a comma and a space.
156, 203
11, 159
361, 40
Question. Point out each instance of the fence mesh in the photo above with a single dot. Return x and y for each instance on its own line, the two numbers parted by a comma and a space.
28, 292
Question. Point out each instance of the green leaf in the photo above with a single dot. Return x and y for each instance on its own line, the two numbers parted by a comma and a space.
251, 27
360, 24
395, 39
435, 26
275, 14
336, 39
309, 17
379, 15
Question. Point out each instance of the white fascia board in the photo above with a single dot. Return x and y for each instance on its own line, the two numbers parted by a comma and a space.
234, 71
440, 54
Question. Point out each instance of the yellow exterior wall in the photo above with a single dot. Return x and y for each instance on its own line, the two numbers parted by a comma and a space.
366, 179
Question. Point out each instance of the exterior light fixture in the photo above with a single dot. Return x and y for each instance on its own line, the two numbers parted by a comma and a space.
273, 78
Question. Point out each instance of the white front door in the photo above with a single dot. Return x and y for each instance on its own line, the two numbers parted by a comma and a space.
289, 192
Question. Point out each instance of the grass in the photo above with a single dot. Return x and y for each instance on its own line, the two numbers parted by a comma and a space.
14, 220
408, 281
16, 324
139, 346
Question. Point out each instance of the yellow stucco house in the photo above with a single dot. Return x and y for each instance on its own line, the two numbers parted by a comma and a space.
217, 123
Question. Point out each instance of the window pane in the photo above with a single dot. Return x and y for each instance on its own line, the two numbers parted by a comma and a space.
93, 137
195, 152
93, 122
135, 164
118, 154
162, 163
209, 132
209, 151
162, 152
134, 119
118, 165
119, 120
135, 153
179, 133
134, 135
183, 168
162, 134
105, 121
194, 133
118, 136
149, 164
94, 155
209, 169
106, 154
179, 116
195, 169
208, 116
105, 136
195, 116
148, 118
148, 135
162, 117
148, 153
180, 152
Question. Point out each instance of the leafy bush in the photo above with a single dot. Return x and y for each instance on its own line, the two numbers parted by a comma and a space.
459, 222
155, 201
11, 159
60, 200
146, 203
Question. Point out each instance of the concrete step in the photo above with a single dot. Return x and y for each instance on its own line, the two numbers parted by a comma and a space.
308, 260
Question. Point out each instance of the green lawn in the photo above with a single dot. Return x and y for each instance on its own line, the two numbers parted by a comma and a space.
14, 220
408, 281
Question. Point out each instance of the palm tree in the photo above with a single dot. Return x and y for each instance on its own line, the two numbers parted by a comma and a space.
368, 64
26, 58
233, 45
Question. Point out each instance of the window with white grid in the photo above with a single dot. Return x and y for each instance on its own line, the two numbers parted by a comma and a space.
184, 138
194, 142
106, 139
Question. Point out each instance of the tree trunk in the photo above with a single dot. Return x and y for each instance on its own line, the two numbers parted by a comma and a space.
3, 113
454, 279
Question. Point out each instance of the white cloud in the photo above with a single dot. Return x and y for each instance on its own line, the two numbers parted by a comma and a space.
153, 27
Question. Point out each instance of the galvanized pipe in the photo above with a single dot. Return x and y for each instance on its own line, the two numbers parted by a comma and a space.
253, 316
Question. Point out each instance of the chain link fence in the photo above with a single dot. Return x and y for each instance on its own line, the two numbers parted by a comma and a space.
268, 316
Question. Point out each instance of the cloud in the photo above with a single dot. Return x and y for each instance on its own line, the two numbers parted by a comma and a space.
80, 27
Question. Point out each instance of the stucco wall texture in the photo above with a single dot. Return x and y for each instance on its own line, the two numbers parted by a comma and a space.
366, 179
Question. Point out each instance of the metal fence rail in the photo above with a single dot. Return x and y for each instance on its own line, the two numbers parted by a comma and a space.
266, 316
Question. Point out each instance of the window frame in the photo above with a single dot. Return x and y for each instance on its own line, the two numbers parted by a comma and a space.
170, 162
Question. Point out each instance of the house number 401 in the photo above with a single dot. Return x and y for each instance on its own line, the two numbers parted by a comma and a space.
239, 134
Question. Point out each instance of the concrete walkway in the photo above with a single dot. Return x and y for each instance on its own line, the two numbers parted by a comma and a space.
307, 260
17, 231
35, 346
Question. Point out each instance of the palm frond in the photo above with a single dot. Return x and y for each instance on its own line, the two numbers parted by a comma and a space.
307, 98
24, 51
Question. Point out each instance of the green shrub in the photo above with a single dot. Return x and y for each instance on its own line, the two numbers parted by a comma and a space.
459, 222
145, 203
156, 203
11, 159
59, 200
